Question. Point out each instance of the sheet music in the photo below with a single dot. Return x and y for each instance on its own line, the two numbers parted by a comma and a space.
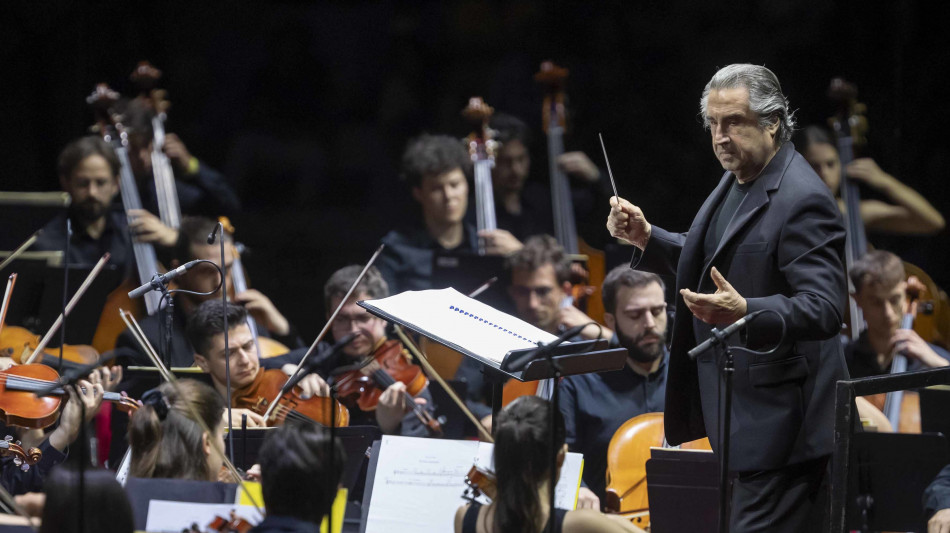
419, 483
458, 319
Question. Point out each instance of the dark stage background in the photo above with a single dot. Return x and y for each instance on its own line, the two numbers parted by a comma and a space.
307, 106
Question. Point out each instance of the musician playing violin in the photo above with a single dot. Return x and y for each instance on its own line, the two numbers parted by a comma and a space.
201, 189
89, 171
596, 405
434, 167
393, 413
881, 293
205, 332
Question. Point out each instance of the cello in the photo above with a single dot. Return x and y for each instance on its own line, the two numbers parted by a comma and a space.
585, 293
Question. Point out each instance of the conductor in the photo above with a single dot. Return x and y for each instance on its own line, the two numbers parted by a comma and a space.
768, 237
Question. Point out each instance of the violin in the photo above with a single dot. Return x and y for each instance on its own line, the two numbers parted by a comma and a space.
627, 455
232, 524
268, 384
387, 366
480, 481
19, 405
24, 459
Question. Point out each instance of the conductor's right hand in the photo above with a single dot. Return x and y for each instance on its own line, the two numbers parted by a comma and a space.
626, 222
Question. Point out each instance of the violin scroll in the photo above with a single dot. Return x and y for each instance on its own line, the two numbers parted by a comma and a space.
24, 459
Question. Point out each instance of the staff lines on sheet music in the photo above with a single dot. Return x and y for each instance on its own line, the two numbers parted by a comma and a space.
420, 471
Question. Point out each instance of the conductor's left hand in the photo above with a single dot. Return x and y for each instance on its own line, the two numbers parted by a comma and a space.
725, 306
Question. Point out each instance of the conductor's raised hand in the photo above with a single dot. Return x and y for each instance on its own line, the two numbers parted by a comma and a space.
626, 222
724, 306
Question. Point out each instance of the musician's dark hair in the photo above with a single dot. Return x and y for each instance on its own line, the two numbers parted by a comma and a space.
624, 276
509, 128
372, 284
522, 458
78, 150
194, 231
432, 155
208, 321
106, 507
812, 135
137, 120
877, 267
299, 478
172, 447
540, 250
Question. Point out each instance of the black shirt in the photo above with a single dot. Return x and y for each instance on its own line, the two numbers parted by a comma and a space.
206, 193
862, 359
85, 250
406, 261
596, 405
723, 215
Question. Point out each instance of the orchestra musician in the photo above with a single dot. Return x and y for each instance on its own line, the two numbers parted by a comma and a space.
202, 190
89, 171
435, 167
522, 459
596, 405
165, 439
937, 503
205, 332
881, 293
523, 206
539, 289
106, 507
768, 238
299, 477
905, 212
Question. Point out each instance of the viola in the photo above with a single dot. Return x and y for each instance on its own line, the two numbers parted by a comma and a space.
268, 384
627, 454
387, 365
19, 405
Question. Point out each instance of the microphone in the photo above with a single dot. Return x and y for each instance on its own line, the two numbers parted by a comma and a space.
311, 365
159, 280
214, 232
718, 336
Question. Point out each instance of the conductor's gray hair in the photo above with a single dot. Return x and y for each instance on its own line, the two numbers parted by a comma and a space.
765, 96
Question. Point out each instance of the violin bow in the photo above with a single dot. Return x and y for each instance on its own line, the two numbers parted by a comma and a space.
326, 327
69, 307
424, 361
7, 501
170, 377
20, 249
6, 299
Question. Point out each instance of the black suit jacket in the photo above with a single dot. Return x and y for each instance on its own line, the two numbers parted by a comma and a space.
782, 251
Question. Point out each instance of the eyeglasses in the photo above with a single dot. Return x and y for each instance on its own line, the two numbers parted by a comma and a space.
518, 291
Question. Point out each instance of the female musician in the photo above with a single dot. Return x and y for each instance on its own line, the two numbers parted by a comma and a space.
166, 440
106, 507
522, 460
907, 213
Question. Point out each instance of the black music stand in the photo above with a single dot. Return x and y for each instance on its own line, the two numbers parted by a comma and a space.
683, 479
889, 472
934, 406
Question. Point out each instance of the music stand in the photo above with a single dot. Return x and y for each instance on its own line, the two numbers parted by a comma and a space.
934, 406
678, 479
889, 472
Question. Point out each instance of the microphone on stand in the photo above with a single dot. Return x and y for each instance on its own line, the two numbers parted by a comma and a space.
717, 335
159, 280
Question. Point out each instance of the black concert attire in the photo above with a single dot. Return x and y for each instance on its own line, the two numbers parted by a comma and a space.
782, 250
406, 261
535, 218
937, 495
83, 249
328, 365
285, 524
205, 193
15, 480
862, 359
470, 521
596, 405
182, 354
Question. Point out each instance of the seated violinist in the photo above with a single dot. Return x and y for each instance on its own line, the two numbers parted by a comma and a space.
300, 474
522, 459
85, 399
393, 412
168, 441
206, 333
435, 167
881, 293
89, 171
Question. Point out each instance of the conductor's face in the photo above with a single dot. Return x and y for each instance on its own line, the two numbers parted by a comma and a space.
740, 143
